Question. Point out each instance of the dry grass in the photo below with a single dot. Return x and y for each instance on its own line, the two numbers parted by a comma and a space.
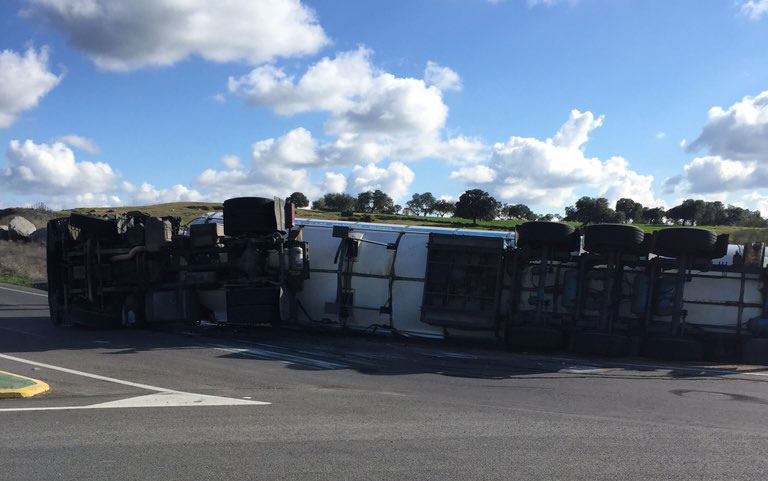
22, 262
38, 217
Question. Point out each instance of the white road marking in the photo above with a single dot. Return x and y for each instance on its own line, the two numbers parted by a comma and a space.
584, 369
87, 374
23, 292
280, 356
163, 397
159, 400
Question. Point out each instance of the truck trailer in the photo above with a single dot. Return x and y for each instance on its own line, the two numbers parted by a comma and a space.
680, 293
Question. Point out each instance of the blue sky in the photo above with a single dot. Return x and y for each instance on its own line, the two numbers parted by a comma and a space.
114, 103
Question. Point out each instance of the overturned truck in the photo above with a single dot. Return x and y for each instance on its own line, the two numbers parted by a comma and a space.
679, 293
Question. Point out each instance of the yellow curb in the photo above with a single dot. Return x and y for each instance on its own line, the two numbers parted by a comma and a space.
38, 387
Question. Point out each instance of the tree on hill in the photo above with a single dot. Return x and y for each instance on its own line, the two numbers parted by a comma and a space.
299, 199
336, 201
743, 217
633, 211
654, 216
517, 211
421, 204
591, 210
364, 202
382, 203
374, 201
477, 204
444, 207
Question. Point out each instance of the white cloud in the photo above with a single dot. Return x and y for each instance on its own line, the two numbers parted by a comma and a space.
231, 161
464, 150
53, 174
395, 180
53, 170
331, 85
296, 148
278, 167
755, 9
477, 174
547, 172
739, 132
660, 135
124, 36
736, 140
756, 200
373, 114
25, 79
147, 193
83, 143
334, 182
441, 77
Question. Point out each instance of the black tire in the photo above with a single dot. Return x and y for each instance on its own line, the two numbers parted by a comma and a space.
94, 227
720, 248
673, 349
601, 238
249, 215
679, 241
544, 234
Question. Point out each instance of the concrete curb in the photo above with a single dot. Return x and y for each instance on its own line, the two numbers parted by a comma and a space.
27, 387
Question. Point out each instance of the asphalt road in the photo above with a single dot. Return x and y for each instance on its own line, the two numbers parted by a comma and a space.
358, 408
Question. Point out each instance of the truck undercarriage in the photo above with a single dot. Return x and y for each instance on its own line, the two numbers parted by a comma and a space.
608, 289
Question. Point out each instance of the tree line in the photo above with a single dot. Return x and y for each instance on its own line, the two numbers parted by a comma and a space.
477, 204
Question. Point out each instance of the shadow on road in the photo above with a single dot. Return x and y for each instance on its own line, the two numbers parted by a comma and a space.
305, 350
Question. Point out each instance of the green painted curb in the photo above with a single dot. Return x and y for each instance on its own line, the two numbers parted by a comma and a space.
15, 386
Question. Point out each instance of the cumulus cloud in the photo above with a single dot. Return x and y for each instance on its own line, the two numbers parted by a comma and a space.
547, 172
441, 77
334, 182
25, 79
231, 161
51, 172
281, 165
477, 174
147, 193
757, 201
278, 168
755, 9
395, 180
124, 36
52, 169
373, 114
83, 143
736, 143
296, 148
738, 132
